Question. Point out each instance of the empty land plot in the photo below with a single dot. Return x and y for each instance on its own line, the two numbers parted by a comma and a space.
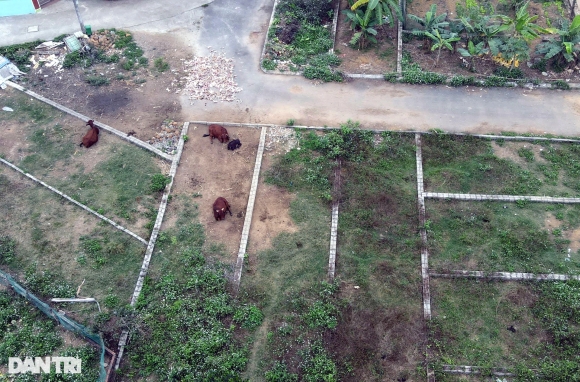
524, 327
464, 164
112, 177
378, 252
51, 235
207, 171
367, 325
508, 237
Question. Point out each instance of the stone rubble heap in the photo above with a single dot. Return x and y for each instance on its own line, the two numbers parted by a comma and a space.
166, 140
280, 138
211, 78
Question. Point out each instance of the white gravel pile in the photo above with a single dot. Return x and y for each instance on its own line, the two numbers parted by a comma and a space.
211, 78
280, 138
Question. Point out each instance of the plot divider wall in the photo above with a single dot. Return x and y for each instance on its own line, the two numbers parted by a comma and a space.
117, 226
153, 238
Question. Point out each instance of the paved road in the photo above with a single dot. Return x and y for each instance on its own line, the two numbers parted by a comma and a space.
238, 28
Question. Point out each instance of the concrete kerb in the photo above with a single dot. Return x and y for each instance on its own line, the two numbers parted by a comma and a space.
249, 211
505, 276
502, 198
84, 118
334, 224
153, 238
470, 370
117, 226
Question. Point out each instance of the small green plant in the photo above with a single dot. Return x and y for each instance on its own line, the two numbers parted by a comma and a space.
159, 182
128, 65
7, 249
526, 153
71, 60
185, 138
494, 81
463, 81
143, 62
560, 84
269, 64
160, 64
249, 316
97, 80
290, 122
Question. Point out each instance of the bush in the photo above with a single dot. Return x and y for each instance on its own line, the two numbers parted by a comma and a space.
71, 60
269, 64
159, 182
160, 64
463, 81
492, 81
312, 11
97, 80
250, 317
560, 84
322, 73
513, 73
414, 74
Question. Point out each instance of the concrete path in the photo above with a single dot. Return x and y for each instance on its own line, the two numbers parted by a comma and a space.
238, 28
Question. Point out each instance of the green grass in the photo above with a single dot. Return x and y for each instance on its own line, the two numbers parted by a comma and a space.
492, 236
463, 164
471, 321
26, 332
378, 205
188, 326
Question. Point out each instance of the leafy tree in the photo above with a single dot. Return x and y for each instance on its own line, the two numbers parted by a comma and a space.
440, 42
430, 23
509, 52
564, 48
473, 51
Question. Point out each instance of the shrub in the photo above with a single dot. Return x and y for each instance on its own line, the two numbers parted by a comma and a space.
312, 11
160, 64
391, 77
7, 249
159, 182
249, 316
463, 81
414, 74
560, 84
97, 80
492, 81
269, 64
322, 73
513, 73
71, 60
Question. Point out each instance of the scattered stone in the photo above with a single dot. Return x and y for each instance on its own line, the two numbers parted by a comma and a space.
167, 139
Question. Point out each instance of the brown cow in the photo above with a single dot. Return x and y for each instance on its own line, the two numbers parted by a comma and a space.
92, 136
219, 132
220, 206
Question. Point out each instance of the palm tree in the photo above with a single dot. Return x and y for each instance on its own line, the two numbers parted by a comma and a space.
440, 42
430, 23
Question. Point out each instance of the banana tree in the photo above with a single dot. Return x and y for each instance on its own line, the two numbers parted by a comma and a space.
384, 10
430, 23
565, 47
441, 42
473, 51
522, 25
365, 23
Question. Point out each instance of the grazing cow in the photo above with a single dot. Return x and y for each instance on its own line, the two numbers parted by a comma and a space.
219, 132
220, 207
235, 144
92, 136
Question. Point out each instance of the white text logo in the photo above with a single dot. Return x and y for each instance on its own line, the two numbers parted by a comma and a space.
70, 365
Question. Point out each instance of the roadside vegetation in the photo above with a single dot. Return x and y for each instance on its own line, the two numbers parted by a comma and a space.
300, 39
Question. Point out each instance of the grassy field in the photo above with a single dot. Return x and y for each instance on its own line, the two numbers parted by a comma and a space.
367, 324
529, 328
464, 164
494, 236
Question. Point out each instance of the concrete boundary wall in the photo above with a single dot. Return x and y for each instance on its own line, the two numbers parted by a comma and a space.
117, 226
334, 223
471, 370
249, 211
501, 198
484, 136
148, 253
506, 276
423, 231
84, 118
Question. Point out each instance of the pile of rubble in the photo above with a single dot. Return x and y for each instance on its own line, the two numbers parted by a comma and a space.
166, 140
211, 78
103, 40
280, 138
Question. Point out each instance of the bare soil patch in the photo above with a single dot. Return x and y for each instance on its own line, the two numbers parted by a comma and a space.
509, 150
137, 100
211, 170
